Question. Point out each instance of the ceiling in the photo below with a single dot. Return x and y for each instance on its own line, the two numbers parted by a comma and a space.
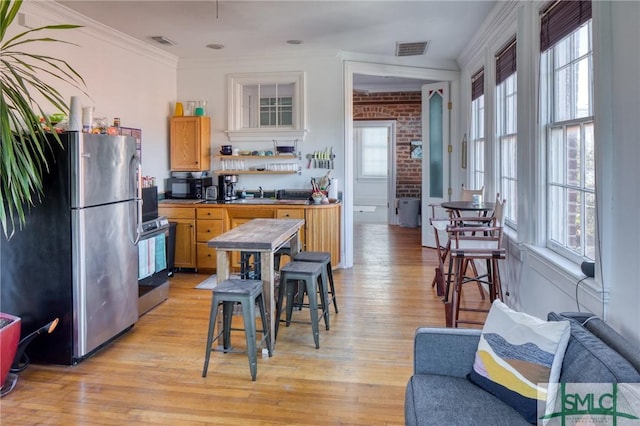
262, 28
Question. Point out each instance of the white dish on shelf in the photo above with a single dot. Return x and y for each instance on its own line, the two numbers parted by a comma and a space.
197, 174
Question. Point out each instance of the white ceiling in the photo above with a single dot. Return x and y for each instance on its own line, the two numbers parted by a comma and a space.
261, 27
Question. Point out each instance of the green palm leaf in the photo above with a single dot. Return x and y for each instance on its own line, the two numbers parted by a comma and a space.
23, 140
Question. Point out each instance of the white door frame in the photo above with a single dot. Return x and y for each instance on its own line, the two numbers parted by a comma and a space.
391, 161
356, 67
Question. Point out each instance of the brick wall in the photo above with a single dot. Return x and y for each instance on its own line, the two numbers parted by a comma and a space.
405, 108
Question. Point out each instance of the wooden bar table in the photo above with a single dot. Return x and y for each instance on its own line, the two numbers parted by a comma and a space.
265, 236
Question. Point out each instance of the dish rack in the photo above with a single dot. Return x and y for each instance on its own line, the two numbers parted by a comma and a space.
287, 149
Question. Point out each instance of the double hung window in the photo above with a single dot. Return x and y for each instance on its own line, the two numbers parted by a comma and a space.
372, 141
567, 113
477, 138
506, 130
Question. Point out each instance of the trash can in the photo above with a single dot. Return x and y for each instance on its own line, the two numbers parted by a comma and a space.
409, 212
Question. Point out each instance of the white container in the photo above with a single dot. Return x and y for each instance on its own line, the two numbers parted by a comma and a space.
87, 118
75, 123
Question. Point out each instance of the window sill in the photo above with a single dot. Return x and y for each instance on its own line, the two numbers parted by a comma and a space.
261, 135
562, 272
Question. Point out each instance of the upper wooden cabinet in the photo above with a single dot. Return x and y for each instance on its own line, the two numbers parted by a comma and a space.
190, 143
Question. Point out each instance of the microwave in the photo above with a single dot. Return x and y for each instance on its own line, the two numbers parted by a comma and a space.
188, 187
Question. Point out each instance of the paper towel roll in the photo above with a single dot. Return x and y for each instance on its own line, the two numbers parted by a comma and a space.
75, 122
333, 188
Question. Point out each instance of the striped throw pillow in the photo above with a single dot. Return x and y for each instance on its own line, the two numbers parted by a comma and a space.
517, 356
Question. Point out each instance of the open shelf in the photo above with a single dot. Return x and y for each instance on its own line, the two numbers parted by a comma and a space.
254, 172
260, 157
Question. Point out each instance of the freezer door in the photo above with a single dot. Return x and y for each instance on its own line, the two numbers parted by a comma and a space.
105, 274
103, 169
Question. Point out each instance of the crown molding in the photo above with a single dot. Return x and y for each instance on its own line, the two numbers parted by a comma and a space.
49, 12
501, 19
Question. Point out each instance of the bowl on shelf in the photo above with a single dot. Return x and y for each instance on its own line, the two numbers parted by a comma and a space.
197, 174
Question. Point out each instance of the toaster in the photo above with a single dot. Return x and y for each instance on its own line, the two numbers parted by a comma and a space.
211, 193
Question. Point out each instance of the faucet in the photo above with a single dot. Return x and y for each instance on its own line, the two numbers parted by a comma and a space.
261, 192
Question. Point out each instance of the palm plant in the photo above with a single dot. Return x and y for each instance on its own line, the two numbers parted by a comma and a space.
23, 139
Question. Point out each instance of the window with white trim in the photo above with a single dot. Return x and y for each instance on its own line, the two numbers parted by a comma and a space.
477, 137
566, 69
506, 130
372, 141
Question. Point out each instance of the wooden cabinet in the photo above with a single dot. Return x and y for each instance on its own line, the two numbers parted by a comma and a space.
197, 224
190, 143
292, 213
322, 231
185, 219
210, 223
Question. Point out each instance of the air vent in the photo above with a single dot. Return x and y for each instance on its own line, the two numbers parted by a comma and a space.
414, 48
163, 40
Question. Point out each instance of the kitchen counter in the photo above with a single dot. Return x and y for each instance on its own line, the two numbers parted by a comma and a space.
243, 201
198, 221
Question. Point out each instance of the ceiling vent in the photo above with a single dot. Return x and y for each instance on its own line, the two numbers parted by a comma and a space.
163, 40
414, 48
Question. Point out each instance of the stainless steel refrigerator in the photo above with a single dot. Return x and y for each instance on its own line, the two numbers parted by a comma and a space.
76, 259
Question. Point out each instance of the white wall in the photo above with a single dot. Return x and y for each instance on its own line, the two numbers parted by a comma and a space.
124, 78
206, 79
537, 280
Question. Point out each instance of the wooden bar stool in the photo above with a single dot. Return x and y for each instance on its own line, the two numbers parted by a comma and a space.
323, 258
303, 277
484, 243
228, 293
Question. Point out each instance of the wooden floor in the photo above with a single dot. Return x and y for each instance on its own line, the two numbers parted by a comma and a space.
152, 374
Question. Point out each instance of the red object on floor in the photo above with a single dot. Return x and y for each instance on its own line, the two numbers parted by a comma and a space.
9, 338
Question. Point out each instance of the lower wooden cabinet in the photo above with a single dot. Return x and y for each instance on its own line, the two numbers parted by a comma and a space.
209, 224
185, 219
322, 231
196, 225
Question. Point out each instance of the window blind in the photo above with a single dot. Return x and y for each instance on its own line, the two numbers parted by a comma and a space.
506, 62
477, 84
561, 18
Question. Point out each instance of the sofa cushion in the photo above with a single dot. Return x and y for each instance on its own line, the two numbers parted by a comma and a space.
589, 360
517, 356
444, 400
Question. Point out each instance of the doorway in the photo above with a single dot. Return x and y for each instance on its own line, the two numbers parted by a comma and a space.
374, 167
380, 70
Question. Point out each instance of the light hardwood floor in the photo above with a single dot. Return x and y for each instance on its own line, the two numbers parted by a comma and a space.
152, 374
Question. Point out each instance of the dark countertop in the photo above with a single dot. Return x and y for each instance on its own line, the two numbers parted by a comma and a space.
239, 201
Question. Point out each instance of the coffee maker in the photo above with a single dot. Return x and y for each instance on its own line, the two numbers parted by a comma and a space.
226, 187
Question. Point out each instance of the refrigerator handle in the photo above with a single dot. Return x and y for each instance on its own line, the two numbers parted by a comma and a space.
137, 181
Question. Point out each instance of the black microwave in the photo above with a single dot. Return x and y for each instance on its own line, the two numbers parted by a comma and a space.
188, 187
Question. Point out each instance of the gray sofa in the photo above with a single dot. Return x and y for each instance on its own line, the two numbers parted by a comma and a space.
439, 393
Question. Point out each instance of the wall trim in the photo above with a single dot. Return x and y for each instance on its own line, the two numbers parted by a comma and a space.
48, 12
565, 275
